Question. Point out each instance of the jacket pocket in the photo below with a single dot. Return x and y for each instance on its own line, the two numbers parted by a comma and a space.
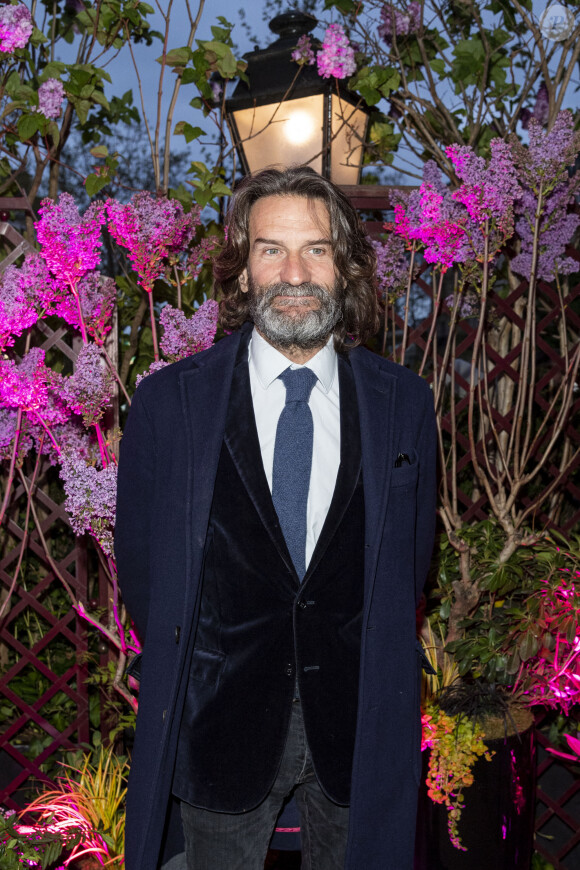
207, 665
406, 474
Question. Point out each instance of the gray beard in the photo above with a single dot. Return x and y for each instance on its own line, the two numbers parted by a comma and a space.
306, 332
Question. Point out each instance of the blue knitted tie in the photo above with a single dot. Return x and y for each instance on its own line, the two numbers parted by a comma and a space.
293, 462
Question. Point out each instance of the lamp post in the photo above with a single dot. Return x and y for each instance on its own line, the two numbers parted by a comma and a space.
290, 115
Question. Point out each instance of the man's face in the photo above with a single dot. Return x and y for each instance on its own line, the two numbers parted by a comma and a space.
290, 274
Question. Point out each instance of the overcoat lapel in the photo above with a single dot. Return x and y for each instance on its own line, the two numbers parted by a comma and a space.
376, 394
205, 392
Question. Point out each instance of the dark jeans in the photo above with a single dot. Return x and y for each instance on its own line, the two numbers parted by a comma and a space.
226, 841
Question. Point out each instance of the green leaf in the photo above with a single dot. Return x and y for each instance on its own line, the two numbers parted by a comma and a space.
438, 66
28, 125
345, 6
182, 128
176, 57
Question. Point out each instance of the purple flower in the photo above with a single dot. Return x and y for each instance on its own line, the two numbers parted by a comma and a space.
70, 243
91, 498
556, 231
15, 27
25, 293
336, 57
88, 391
397, 23
97, 296
467, 304
392, 266
50, 97
153, 229
551, 152
32, 386
489, 188
182, 336
303, 53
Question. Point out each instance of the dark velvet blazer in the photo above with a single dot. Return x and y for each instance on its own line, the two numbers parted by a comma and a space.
167, 472
260, 629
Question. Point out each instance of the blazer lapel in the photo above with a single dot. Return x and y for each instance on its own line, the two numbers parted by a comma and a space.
350, 463
376, 393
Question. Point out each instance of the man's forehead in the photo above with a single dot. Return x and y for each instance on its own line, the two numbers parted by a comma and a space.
290, 204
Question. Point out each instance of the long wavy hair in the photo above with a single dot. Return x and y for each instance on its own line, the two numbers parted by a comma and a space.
354, 256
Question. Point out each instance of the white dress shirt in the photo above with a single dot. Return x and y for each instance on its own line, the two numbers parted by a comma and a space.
269, 397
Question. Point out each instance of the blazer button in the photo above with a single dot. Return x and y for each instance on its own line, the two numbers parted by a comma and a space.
289, 669
302, 604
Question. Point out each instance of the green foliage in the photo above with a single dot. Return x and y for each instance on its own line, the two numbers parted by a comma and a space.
41, 848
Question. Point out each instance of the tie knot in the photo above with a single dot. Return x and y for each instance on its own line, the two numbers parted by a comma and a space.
298, 383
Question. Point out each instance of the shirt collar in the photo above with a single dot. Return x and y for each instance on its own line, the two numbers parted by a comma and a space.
269, 363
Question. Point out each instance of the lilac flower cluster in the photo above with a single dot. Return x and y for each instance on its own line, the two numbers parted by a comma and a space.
91, 498
8, 419
15, 27
70, 244
430, 216
489, 188
25, 293
467, 303
452, 226
153, 229
551, 152
154, 367
546, 162
50, 97
182, 336
392, 266
303, 54
396, 23
557, 228
88, 391
97, 296
32, 386
336, 57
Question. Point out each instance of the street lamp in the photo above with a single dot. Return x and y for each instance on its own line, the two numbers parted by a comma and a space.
290, 115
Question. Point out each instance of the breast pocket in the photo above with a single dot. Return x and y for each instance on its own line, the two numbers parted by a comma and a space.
207, 665
407, 473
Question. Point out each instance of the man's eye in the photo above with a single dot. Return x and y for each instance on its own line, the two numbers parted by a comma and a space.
271, 250
318, 251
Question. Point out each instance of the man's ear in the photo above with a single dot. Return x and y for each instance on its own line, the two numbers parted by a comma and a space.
243, 279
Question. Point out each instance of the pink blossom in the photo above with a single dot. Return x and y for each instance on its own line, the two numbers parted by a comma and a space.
97, 296
15, 27
183, 336
32, 386
336, 57
154, 367
70, 243
153, 229
50, 97
25, 293
303, 53
489, 188
395, 22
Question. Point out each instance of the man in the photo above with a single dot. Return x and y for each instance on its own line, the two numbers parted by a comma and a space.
274, 529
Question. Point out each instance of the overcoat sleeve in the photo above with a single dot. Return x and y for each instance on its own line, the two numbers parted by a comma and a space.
133, 526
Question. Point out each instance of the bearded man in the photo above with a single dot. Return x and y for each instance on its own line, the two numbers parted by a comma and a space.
275, 523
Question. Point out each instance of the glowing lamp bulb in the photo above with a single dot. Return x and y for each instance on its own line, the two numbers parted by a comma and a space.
299, 127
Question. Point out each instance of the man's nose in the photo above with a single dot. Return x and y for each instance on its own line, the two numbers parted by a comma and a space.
294, 270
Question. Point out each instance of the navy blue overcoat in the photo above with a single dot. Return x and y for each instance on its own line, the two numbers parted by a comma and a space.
168, 464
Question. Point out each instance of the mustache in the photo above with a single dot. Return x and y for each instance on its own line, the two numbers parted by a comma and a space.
283, 289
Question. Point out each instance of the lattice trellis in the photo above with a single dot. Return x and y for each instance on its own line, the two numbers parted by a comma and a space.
473, 503
43, 648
